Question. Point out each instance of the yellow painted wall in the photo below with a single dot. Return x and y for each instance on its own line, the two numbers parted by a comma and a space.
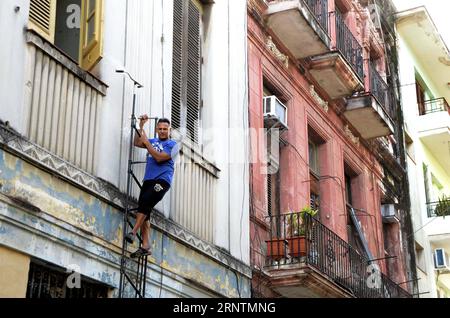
14, 269
436, 169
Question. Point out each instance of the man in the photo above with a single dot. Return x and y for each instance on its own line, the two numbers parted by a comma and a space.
157, 180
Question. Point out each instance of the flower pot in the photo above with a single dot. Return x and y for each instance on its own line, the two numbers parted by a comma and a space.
297, 246
276, 249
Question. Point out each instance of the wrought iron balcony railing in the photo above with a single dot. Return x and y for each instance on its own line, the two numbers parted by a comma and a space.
320, 10
380, 90
347, 44
298, 238
437, 209
436, 105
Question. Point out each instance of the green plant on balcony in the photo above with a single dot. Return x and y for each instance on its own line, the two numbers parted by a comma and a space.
443, 207
297, 223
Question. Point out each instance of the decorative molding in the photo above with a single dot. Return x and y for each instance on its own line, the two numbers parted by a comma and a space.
350, 135
13, 142
276, 52
318, 99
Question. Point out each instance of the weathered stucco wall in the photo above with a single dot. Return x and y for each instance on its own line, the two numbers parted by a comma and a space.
52, 220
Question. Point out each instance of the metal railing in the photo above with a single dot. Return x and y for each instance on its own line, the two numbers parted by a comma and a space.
320, 10
347, 44
436, 209
298, 238
436, 105
381, 92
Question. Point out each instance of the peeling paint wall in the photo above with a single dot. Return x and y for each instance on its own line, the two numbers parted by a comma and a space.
49, 219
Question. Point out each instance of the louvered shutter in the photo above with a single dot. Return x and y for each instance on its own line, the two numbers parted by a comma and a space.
193, 72
186, 73
177, 67
42, 18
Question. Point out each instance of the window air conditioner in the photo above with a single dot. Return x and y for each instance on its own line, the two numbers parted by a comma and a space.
390, 213
275, 113
440, 258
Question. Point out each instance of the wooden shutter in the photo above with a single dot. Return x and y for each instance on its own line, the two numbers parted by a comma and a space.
42, 18
91, 33
186, 72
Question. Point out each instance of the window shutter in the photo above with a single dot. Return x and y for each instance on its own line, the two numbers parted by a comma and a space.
42, 18
91, 33
186, 74
177, 72
193, 72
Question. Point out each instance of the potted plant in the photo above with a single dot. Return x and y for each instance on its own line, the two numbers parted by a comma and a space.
276, 249
297, 228
443, 207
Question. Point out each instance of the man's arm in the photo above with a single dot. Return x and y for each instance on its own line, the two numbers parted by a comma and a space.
158, 156
138, 140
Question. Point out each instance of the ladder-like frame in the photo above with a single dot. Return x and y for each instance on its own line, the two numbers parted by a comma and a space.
138, 283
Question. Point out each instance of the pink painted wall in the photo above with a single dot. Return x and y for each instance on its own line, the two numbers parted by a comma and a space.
303, 110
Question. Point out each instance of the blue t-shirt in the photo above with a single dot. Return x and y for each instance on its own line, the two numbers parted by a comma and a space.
163, 170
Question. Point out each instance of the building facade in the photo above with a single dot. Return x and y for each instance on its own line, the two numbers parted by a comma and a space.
424, 72
320, 88
64, 135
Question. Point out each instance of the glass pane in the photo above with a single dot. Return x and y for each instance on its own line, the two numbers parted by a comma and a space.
91, 30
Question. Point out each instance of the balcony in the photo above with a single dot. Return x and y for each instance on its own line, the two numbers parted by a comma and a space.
438, 209
372, 113
301, 25
435, 106
318, 263
433, 127
340, 73
63, 104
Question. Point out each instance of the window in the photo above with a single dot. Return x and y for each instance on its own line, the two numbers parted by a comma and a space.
420, 258
186, 74
423, 94
47, 281
313, 150
353, 236
315, 146
273, 195
348, 190
73, 26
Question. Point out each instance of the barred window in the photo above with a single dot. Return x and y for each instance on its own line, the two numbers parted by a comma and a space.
47, 281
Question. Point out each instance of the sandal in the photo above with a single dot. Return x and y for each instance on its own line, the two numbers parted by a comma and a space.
141, 252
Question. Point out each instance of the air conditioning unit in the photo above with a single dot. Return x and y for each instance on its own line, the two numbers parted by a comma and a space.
390, 213
275, 113
440, 259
